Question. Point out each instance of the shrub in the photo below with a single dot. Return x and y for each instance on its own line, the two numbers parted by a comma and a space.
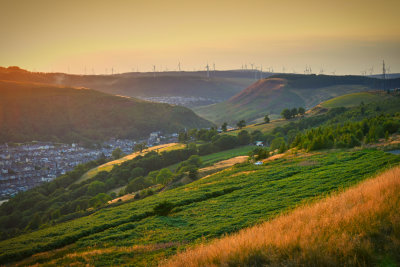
164, 208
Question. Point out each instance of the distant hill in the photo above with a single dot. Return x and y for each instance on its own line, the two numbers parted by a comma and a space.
34, 111
272, 95
219, 87
354, 99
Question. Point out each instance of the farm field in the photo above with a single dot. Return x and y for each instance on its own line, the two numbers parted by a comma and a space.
131, 234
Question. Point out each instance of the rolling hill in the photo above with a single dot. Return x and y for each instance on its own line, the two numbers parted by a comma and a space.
220, 86
354, 99
34, 111
241, 196
273, 94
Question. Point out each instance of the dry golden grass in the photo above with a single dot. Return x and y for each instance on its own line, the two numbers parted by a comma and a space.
123, 198
223, 164
357, 227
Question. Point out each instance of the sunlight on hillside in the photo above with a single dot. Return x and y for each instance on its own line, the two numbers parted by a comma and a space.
109, 165
344, 229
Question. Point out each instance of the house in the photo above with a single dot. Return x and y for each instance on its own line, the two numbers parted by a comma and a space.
259, 143
258, 163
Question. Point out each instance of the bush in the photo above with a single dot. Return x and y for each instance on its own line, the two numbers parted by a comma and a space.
164, 208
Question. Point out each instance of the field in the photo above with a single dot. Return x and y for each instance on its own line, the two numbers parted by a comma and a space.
359, 227
227, 154
210, 159
355, 99
263, 127
242, 196
109, 165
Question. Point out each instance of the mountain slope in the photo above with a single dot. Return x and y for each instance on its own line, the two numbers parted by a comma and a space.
358, 227
272, 95
220, 86
33, 111
231, 200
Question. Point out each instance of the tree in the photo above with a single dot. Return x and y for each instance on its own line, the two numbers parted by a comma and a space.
294, 112
224, 127
193, 173
277, 142
96, 187
164, 176
183, 137
302, 111
139, 147
194, 160
241, 124
117, 153
99, 200
266, 119
286, 113
136, 184
244, 137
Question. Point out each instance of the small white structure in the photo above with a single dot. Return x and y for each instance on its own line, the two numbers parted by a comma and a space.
258, 163
259, 143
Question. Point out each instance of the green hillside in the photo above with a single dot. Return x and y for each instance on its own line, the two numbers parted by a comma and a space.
31, 111
272, 95
239, 197
355, 99
310, 157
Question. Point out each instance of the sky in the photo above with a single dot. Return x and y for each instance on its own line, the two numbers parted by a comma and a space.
336, 36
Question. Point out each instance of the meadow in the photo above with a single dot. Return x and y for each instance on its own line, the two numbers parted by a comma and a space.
239, 197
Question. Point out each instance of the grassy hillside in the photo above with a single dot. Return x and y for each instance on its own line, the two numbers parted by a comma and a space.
220, 86
272, 95
359, 227
31, 111
355, 99
235, 198
109, 165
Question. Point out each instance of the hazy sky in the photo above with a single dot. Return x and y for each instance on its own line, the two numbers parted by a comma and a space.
346, 36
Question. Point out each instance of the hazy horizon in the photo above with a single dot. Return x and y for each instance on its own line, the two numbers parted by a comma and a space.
345, 37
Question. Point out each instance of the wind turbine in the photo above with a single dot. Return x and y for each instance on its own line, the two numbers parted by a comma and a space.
208, 70
383, 70
154, 71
